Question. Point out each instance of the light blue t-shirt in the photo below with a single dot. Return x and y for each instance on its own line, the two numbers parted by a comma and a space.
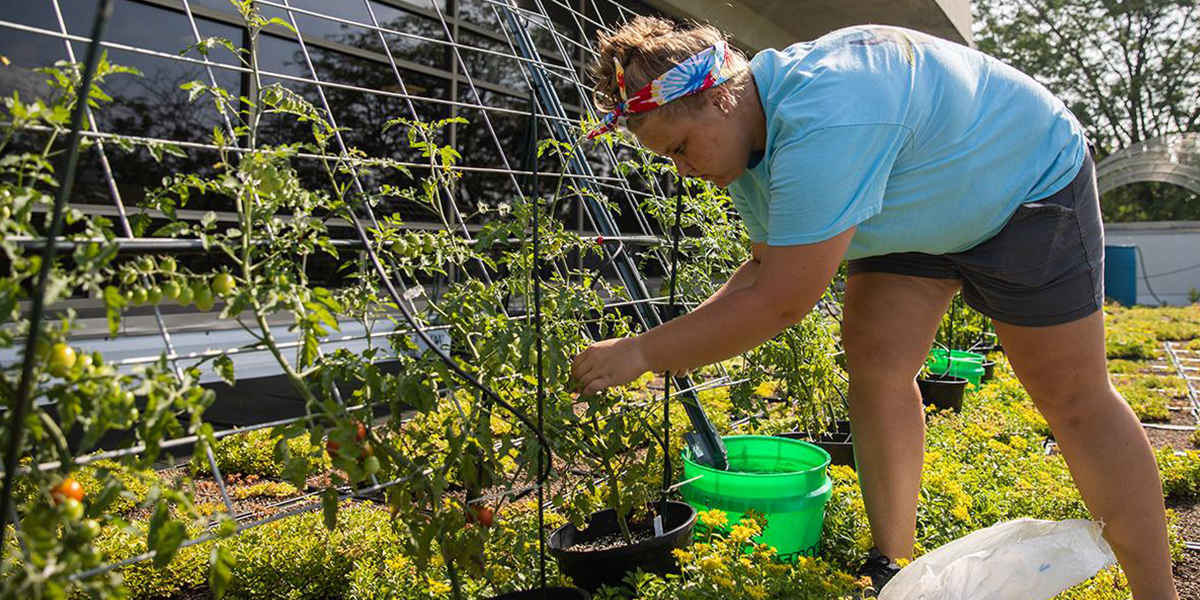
926, 145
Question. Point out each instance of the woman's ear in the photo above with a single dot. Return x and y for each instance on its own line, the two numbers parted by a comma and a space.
723, 100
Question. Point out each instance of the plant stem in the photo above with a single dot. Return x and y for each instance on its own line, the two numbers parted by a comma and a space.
455, 586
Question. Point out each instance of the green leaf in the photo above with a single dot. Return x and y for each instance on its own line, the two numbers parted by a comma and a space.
280, 22
165, 536
224, 368
113, 302
220, 570
329, 507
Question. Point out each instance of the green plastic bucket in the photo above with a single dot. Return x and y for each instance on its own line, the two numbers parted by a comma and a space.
968, 365
782, 478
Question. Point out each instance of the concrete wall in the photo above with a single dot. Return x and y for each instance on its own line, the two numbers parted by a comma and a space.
1171, 252
759, 24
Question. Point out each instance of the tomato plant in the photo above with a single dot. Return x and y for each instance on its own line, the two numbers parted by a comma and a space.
96, 399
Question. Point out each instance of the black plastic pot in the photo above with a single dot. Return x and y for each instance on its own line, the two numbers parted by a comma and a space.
550, 593
989, 370
839, 445
942, 391
591, 569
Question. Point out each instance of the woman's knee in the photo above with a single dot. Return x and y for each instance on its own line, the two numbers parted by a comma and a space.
1074, 405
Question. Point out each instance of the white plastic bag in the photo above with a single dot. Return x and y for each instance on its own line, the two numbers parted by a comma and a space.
1025, 559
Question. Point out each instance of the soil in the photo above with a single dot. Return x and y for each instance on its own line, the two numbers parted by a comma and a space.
1166, 438
1187, 571
613, 540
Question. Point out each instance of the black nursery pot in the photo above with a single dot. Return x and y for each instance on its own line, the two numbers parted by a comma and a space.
836, 442
550, 593
590, 569
989, 370
943, 391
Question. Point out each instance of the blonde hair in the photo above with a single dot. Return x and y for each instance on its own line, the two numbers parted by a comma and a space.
647, 47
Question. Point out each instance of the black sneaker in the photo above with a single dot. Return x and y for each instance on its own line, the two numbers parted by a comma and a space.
880, 569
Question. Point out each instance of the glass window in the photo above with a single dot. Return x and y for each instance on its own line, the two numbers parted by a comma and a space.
35, 14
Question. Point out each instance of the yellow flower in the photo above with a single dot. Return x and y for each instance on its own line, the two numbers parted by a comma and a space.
766, 389
756, 591
714, 519
438, 587
712, 564
960, 512
741, 533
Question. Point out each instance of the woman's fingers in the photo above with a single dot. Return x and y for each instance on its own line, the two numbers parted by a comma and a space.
595, 386
579, 366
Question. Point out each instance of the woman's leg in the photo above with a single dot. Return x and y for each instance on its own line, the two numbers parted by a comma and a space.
888, 327
1064, 370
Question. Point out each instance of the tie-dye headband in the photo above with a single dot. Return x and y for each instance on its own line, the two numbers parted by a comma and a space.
710, 67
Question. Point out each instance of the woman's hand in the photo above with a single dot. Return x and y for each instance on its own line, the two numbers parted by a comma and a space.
608, 363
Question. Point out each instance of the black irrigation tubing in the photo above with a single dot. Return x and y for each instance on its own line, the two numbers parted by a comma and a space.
37, 311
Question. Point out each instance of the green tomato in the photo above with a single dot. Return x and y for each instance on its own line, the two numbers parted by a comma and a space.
371, 465
551, 305
128, 277
140, 295
62, 358
170, 290
414, 242
154, 295
90, 528
146, 264
203, 296
167, 265
223, 284
72, 509
400, 247
185, 295
427, 244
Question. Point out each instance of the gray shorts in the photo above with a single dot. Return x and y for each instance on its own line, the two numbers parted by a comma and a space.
1044, 267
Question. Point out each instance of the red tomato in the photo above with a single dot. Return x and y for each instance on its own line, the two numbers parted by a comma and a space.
69, 488
485, 516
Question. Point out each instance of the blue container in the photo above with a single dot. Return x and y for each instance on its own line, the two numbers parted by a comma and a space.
1120, 273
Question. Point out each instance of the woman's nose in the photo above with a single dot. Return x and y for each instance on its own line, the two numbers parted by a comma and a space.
682, 167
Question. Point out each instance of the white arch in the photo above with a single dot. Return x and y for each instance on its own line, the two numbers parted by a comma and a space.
1173, 159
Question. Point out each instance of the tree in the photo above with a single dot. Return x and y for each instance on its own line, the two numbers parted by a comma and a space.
1129, 70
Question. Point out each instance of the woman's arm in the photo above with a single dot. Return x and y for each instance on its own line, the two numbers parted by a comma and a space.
788, 283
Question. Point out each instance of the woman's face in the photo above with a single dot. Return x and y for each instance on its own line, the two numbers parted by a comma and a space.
712, 142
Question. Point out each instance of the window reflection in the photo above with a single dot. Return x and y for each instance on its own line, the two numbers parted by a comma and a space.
344, 54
